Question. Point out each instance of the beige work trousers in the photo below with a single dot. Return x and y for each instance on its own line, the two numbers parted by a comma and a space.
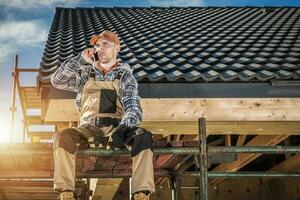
64, 167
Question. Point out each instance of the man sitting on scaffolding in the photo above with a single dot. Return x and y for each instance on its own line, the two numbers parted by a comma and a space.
110, 113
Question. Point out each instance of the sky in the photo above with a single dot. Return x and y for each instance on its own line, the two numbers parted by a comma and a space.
24, 26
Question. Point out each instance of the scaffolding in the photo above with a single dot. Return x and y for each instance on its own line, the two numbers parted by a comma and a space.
203, 152
30, 99
204, 155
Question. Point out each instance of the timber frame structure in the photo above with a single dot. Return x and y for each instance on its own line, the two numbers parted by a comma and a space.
204, 156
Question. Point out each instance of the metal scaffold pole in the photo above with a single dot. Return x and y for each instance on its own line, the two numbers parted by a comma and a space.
196, 150
4, 149
203, 160
177, 187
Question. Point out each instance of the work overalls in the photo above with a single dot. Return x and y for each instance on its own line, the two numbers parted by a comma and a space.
101, 104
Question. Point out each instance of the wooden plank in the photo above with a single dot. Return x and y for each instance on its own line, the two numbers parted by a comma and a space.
2, 196
26, 189
23, 163
161, 160
124, 162
244, 159
7, 163
42, 162
187, 109
36, 120
31, 196
105, 163
27, 183
241, 140
79, 163
224, 127
30, 98
26, 174
174, 162
106, 188
288, 164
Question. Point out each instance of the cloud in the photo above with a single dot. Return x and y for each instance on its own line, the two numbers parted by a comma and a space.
6, 51
27, 4
16, 35
177, 2
23, 32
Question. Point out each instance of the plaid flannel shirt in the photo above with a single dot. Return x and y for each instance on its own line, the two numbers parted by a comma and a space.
73, 74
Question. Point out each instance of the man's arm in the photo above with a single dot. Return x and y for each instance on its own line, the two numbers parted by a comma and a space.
67, 76
131, 101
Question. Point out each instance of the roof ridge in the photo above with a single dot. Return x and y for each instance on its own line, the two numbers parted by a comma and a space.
167, 7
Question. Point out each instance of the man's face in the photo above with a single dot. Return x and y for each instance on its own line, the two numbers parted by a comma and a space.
106, 50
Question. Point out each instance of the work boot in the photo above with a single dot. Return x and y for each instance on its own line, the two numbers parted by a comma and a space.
142, 195
67, 195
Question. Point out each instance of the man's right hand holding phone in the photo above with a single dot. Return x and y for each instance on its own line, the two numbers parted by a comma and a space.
89, 56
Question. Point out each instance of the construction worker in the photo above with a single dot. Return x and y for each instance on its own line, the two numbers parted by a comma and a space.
110, 112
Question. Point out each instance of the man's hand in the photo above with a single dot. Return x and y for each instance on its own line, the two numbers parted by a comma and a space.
118, 137
88, 56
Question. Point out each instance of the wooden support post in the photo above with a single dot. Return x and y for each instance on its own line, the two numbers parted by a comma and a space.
287, 142
228, 140
24, 130
241, 140
13, 108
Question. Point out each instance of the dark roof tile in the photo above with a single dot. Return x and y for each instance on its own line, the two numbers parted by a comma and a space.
185, 44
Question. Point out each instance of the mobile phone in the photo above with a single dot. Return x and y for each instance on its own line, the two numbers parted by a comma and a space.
96, 58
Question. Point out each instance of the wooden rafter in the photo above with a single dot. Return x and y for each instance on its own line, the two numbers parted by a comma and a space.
288, 164
244, 159
241, 140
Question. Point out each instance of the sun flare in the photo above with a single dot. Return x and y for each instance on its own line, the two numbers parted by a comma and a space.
4, 130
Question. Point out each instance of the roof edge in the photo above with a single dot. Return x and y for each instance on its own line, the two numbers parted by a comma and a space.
172, 7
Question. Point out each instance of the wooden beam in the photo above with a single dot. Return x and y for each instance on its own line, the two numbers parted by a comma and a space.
27, 183
241, 140
288, 164
227, 140
36, 120
187, 109
41, 135
26, 174
224, 127
106, 188
244, 159
2, 196
28, 69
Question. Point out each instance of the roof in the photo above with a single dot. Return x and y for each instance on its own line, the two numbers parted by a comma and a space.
191, 44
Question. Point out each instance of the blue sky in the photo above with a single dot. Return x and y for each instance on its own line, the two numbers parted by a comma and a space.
24, 25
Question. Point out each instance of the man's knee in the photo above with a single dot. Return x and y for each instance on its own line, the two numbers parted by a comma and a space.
142, 141
63, 139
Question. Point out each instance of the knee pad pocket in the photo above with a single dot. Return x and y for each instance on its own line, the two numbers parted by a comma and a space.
64, 140
142, 141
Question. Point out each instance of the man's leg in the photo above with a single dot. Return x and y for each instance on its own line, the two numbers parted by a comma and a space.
65, 145
142, 163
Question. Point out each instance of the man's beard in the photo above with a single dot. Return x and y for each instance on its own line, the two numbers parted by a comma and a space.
104, 59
